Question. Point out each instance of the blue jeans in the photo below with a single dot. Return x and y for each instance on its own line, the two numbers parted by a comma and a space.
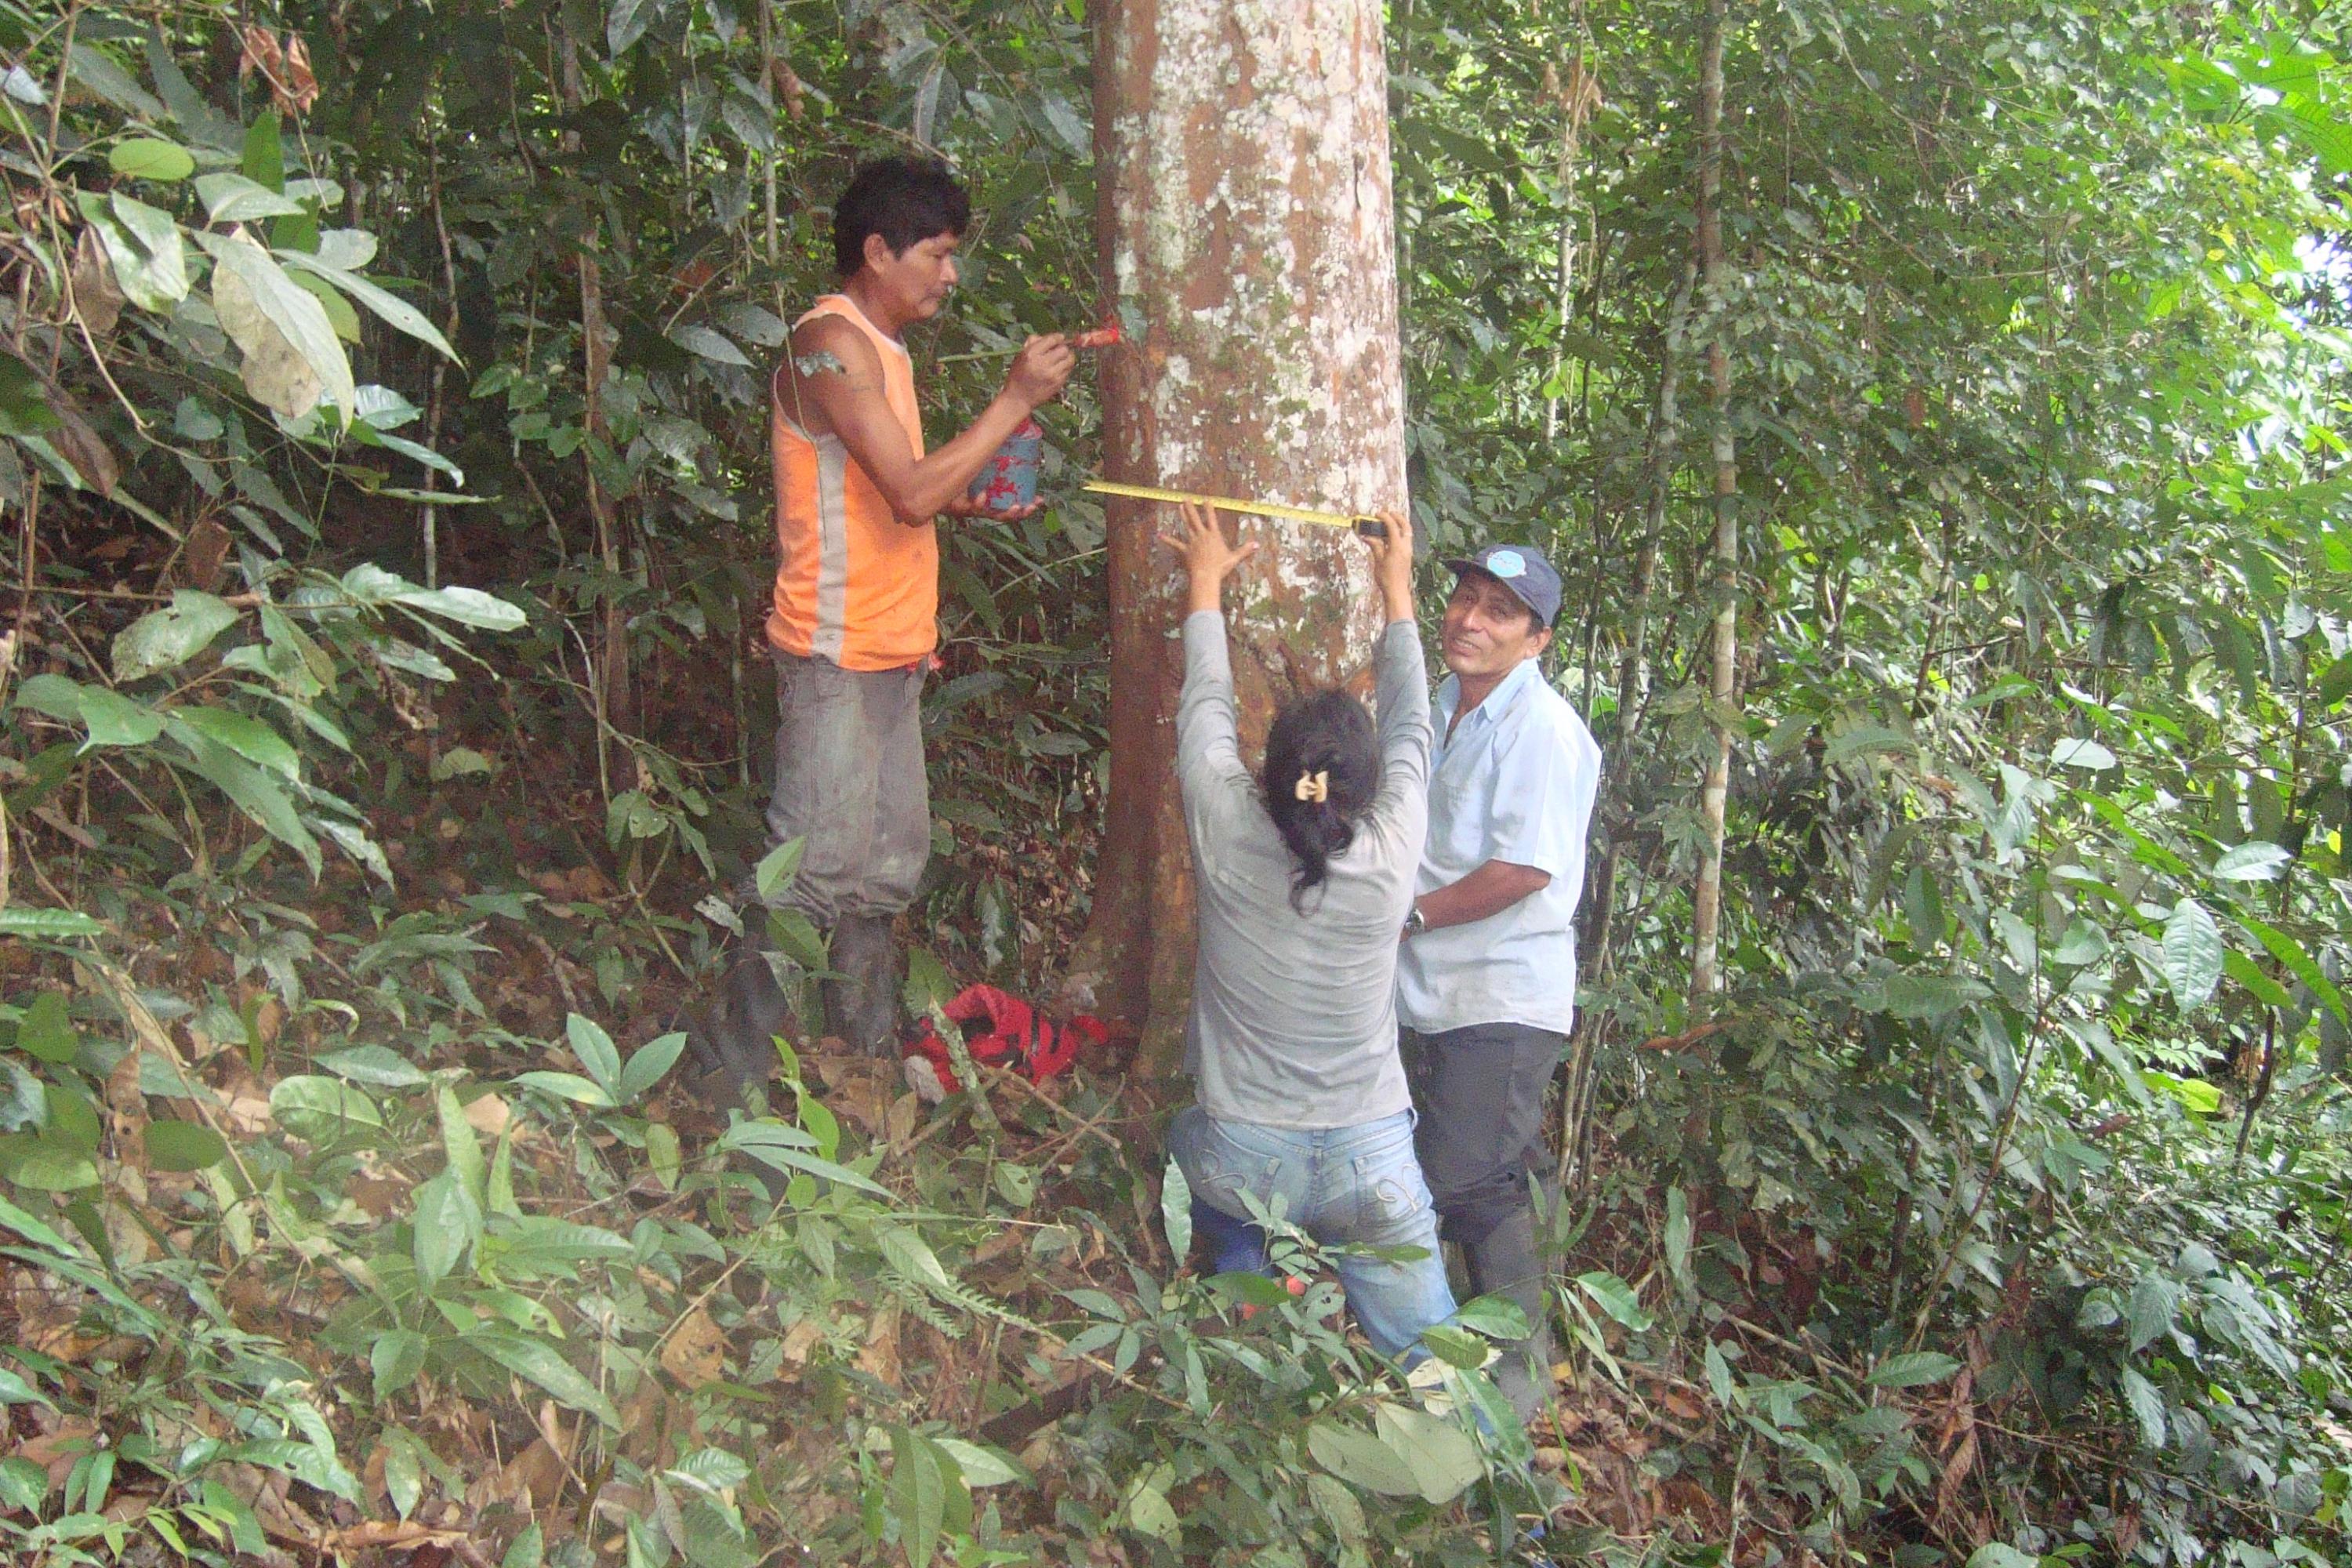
1340, 1184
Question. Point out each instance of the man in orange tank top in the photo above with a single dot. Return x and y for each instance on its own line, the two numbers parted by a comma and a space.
855, 617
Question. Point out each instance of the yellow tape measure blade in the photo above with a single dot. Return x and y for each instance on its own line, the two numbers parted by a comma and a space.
1368, 526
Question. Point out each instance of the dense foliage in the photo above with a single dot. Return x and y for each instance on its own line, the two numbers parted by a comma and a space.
381, 447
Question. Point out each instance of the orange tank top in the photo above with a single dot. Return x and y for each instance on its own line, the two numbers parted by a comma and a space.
853, 585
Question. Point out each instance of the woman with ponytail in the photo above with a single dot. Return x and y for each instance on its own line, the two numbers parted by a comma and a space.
1305, 876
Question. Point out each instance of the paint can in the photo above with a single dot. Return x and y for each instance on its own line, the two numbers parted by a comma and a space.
1008, 481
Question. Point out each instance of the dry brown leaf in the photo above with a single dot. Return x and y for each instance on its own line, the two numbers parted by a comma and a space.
98, 298
487, 1115
800, 1339
696, 1353
880, 1356
1955, 1473
275, 372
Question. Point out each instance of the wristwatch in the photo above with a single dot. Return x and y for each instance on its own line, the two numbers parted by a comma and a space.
1415, 922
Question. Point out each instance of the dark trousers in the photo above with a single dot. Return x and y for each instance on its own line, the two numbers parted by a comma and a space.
1480, 1092
850, 783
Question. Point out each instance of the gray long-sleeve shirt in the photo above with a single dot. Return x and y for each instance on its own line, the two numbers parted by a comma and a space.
1293, 1015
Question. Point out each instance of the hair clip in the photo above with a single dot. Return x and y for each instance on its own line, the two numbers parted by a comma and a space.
1316, 787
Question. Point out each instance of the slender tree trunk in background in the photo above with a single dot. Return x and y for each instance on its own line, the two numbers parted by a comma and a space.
1665, 435
1706, 901
596, 360
1247, 240
1577, 95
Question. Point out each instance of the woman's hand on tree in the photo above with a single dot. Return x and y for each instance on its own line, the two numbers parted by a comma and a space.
1392, 565
1208, 558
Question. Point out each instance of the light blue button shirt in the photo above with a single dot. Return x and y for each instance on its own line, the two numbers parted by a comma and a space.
1515, 780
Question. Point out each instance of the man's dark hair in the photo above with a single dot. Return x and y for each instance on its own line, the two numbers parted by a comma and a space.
1327, 734
904, 200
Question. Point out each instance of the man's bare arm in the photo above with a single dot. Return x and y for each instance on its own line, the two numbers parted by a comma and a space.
1488, 890
835, 378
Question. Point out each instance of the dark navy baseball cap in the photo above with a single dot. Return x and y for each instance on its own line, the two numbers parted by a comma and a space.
1525, 573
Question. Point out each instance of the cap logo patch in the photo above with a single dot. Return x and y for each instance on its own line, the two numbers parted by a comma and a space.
1507, 564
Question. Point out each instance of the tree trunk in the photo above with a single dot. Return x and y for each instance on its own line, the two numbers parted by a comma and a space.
1706, 899
1247, 241
596, 361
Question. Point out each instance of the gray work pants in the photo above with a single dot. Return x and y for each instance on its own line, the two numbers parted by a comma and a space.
850, 781
1480, 1092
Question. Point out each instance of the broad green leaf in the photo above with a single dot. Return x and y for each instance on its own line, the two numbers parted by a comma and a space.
2251, 862
250, 790
1176, 1210
322, 1108
2297, 961
596, 1050
255, 299
540, 1363
774, 872
567, 1085
249, 738
707, 344
648, 1064
151, 158
2150, 1313
1616, 1299
2194, 1094
1864, 740
1442, 1458
1149, 1512
20, 919
459, 1141
2077, 751
1932, 996
233, 198
529, 1549
47, 1029
1360, 1459
446, 1223
47, 1163
96, 70
1912, 1370
144, 245
1456, 1346
14, 1390
918, 1495
1678, 1236
1496, 1316
2192, 953
394, 311
395, 1358
2146, 1406
1997, 1554
114, 720
182, 1146
377, 1065
624, 23
24, 1485
983, 1466
166, 638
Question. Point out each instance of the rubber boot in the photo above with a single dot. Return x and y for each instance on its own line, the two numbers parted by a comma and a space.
861, 1002
1509, 1264
737, 1036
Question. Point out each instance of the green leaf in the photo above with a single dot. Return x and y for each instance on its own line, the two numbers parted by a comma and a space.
1176, 1210
2155, 1303
263, 159
233, 198
1996, 1555
774, 872
596, 1050
299, 321
250, 789
1456, 1346
1496, 1316
528, 1551
114, 720
98, 72
46, 1163
1863, 739
460, 1144
395, 1358
376, 1065
983, 1466
47, 1029
1912, 1370
1679, 1232
1360, 1459
2147, 1404
707, 344
540, 1362
169, 637
647, 1064
2192, 953
1931, 996
19, 919
151, 158
2253, 862
624, 23
183, 1146
1442, 1458
2077, 752
394, 311
249, 738
567, 1085
322, 1110
14, 1390
24, 1485
447, 1224
2297, 961
1616, 1299
918, 1495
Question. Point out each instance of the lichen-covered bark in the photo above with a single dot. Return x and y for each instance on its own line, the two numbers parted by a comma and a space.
1248, 240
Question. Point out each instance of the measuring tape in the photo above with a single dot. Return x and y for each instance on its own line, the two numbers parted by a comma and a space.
1368, 526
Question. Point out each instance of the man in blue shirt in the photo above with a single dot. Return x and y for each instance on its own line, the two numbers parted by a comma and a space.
1487, 979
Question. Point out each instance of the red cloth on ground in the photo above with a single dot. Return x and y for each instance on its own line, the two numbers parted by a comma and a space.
1002, 1030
